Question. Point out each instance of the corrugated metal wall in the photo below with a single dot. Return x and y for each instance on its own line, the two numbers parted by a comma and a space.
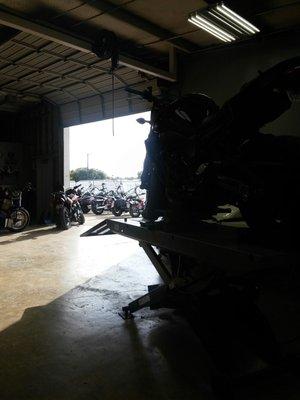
40, 132
97, 107
46, 124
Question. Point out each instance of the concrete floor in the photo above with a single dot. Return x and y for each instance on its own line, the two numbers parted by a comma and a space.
60, 334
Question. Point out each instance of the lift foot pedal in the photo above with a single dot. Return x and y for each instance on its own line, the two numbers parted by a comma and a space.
126, 313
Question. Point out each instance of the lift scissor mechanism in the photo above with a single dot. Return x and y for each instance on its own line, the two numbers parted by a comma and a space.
214, 275
224, 250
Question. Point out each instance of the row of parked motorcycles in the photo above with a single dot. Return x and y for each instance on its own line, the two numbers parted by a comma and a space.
115, 201
71, 205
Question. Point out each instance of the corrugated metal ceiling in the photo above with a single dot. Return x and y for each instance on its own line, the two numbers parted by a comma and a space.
33, 69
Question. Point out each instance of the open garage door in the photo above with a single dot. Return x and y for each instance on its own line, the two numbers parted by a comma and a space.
48, 57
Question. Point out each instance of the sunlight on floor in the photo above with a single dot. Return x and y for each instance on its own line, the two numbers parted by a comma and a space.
40, 264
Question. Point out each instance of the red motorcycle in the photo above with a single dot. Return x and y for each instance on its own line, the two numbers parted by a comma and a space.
136, 204
67, 208
126, 202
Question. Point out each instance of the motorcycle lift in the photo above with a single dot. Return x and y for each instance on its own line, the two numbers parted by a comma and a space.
221, 302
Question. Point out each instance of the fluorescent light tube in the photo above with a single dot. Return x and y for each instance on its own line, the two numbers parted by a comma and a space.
223, 23
198, 23
214, 27
237, 18
249, 30
240, 18
217, 16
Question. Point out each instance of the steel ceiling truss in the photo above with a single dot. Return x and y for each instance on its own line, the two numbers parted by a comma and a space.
69, 58
69, 40
69, 76
47, 82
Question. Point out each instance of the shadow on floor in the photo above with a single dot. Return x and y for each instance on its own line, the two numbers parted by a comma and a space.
77, 348
30, 234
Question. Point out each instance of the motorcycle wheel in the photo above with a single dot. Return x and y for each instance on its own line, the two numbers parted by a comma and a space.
134, 211
96, 210
20, 219
81, 219
260, 218
85, 209
117, 212
64, 218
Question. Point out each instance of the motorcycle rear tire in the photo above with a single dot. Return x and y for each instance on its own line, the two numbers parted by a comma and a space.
117, 212
85, 209
96, 210
26, 218
81, 219
64, 218
134, 211
260, 219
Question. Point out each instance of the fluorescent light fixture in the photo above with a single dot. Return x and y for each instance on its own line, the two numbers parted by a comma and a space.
205, 28
231, 26
223, 23
214, 27
237, 18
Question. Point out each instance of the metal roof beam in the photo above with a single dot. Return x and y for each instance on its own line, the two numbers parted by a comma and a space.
143, 24
36, 84
21, 94
7, 34
69, 58
56, 75
69, 40
108, 92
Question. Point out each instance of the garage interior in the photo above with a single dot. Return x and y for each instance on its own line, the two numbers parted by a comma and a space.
61, 336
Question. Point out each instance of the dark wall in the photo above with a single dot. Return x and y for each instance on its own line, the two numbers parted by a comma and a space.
39, 131
22, 148
221, 73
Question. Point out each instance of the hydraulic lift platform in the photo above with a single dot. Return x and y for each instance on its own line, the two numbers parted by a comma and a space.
220, 300
227, 249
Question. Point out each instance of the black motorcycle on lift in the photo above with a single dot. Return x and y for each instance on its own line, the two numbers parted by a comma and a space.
67, 208
13, 216
210, 156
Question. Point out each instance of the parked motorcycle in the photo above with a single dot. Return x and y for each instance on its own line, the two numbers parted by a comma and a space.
67, 208
120, 203
207, 156
127, 202
13, 216
104, 201
85, 197
136, 203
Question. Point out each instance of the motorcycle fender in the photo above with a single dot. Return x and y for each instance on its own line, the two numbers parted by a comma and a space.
8, 223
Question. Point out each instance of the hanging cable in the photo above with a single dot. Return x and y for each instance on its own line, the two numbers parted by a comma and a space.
113, 101
106, 47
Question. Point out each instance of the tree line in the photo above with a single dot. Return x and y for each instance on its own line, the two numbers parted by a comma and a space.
83, 174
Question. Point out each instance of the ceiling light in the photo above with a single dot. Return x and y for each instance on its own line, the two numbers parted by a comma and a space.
231, 26
197, 23
223, 23
237, 18
215, 27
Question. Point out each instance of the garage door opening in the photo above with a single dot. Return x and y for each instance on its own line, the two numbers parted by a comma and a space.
94, 154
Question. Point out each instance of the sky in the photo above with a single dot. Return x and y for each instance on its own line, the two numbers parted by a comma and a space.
120, 155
